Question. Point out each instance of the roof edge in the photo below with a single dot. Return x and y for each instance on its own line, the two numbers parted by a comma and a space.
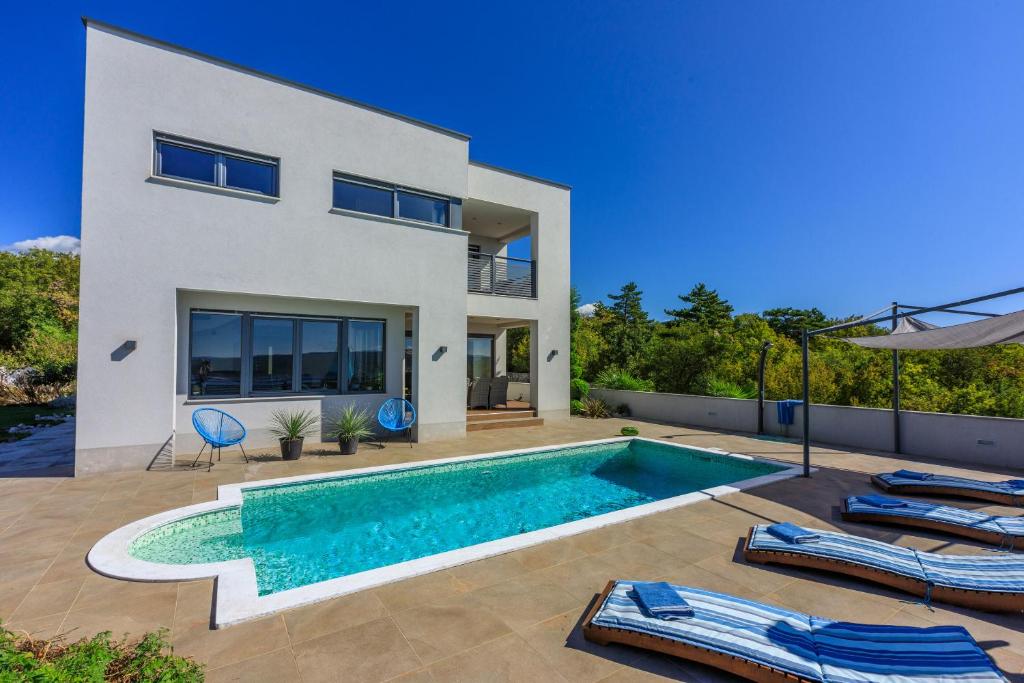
157, 42
524, 176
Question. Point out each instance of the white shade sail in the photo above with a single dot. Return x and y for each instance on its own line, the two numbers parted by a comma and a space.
913, 334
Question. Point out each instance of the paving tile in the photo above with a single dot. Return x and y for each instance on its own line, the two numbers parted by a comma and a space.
49, 598
376, 651
560, 642
272, 667
233, 644
333, 615
449, 626
548, 554
419, 590
525, 601
486, 572
509, 658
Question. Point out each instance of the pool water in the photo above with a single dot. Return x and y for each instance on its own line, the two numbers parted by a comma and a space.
303, 533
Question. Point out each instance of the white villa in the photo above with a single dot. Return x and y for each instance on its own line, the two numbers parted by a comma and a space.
253, 244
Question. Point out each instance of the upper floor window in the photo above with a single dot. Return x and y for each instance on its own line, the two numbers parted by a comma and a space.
392, 201
212, 165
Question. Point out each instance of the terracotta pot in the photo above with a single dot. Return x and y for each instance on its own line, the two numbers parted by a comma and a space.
348, 446
291, 449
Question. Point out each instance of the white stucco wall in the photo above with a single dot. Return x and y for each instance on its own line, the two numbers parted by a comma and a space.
549, 312
967, 439
149, 247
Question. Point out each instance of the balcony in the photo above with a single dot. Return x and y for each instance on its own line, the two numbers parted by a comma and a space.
501, 275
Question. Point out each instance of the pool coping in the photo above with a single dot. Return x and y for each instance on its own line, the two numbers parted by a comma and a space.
237, 599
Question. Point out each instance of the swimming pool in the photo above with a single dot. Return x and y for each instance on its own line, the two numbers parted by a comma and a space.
306, 538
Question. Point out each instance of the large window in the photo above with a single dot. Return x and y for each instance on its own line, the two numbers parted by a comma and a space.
212, 165
383, 199
320, 355
216, 364
250, 354
365, 356
272, 354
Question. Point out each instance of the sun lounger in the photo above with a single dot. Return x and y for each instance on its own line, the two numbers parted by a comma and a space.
1009, 492
993, 582
1006, 532
765, 643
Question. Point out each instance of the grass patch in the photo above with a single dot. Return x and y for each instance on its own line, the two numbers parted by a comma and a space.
24, 415
96, 659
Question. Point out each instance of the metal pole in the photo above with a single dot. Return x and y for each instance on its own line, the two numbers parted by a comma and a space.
807, 408
896, 444
760, 386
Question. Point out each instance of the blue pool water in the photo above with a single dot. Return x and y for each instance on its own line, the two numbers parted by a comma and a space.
298, 534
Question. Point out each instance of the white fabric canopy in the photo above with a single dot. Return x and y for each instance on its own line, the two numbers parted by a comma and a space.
919, 335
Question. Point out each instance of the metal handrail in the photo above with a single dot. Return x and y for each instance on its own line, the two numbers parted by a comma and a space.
502, 275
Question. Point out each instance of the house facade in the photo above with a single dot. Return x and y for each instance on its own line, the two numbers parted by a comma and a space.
253, 244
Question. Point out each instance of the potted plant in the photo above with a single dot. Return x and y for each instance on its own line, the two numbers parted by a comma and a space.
290, 428
351, 425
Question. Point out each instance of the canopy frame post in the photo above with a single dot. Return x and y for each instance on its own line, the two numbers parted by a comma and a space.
896, 441
807, 404
893, 316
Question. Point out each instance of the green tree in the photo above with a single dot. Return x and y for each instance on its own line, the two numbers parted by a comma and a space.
627, 326
39, 311
791, 322
706, 309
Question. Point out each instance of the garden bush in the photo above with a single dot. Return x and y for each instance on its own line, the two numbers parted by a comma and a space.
96, 659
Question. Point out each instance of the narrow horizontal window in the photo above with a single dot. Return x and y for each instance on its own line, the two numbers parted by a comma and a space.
363, 198
176, 161
420, 207
215, 368
253, 176
212, 165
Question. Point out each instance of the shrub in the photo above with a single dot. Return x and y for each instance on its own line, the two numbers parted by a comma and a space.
578, 388
100, 658
612, 378
29, 386
291, 425
576, 407
726, 389
622, 410
629, 431
594, 408
351, 423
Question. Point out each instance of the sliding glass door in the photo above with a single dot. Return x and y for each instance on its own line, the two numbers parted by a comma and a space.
479, 356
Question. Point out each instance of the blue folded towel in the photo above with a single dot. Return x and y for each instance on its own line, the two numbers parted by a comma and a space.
791, 533
661, 601
911, 474
882, 501
1015, 483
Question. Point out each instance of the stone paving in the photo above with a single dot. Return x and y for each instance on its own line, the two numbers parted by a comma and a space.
513, 617
48, 452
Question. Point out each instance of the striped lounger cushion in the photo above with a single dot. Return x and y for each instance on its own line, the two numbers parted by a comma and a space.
837, 546
892, 479
771, 636
1001, 573
809, 647
1006, 526
853, 653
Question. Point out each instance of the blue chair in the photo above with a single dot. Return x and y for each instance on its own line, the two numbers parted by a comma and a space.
397, 415
218, 430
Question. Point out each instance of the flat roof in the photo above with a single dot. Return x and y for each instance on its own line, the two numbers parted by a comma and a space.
524, 176
128, 33
87, 21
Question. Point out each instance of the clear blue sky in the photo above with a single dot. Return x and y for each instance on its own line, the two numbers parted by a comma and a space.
808, 154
